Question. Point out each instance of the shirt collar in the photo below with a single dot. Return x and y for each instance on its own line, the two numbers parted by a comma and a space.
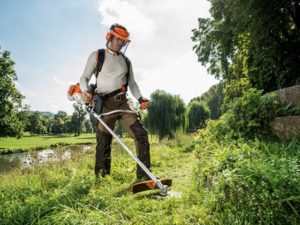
112, 52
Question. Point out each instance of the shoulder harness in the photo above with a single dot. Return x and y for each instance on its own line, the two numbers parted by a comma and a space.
100, 61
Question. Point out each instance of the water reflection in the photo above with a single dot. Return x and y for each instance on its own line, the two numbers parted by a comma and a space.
27, 159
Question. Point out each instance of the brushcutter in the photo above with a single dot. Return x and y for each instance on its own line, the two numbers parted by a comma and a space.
75, 93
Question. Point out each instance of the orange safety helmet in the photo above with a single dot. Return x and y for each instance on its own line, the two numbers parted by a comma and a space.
118, 31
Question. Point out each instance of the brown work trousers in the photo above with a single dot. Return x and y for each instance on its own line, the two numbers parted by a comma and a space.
131, 123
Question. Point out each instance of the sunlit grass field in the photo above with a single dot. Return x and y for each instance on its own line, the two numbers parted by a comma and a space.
68, 193
11, 144
229, 182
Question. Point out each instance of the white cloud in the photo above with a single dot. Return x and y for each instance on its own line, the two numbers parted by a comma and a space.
164, 59
160, 51
123, 12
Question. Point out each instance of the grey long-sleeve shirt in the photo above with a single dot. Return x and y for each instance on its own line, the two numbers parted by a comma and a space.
112, 75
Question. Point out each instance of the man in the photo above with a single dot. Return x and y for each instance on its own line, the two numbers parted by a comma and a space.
112, 80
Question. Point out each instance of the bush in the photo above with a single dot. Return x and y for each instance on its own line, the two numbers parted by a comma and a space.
250, 115
198, 113
247, 117
244, 175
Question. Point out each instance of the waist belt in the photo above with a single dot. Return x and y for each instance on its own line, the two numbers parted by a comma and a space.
112, 94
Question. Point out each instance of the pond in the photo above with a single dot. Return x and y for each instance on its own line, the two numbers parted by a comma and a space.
27, 159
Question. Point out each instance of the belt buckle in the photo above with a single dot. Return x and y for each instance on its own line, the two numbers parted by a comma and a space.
117, 98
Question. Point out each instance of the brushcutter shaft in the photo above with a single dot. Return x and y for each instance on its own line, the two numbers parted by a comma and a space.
74, 93
156, 181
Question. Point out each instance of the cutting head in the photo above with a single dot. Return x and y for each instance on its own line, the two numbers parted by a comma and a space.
151, 185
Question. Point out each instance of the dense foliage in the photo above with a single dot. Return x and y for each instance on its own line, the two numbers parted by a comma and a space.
245, 175
246, 181
10, 98
256, 39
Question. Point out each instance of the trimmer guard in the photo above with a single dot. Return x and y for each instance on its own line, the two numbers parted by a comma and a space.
149, 185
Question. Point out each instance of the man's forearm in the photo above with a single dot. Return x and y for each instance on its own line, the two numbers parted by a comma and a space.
84, 83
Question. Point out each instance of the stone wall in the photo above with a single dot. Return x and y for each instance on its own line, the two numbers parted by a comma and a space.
289, 96
286, 127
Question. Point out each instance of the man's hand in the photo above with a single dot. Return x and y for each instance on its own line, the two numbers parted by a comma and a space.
87, 97
144, 103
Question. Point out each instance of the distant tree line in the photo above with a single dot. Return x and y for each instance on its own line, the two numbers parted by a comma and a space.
15, 119
36, 122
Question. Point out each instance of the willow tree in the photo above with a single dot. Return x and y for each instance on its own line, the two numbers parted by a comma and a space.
166, 114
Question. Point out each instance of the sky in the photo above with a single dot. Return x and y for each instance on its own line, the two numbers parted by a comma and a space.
50, 41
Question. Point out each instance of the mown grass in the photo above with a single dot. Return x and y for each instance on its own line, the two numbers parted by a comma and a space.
27, 143
68, 193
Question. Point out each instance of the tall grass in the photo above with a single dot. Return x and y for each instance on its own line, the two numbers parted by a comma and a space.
68, 193
247, 181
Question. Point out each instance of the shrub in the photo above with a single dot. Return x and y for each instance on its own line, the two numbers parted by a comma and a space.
250, 115
198, 113
243, 175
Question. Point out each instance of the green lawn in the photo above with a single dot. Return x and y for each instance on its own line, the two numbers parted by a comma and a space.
26, 143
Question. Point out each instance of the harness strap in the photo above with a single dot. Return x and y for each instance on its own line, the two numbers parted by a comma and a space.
100, 61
